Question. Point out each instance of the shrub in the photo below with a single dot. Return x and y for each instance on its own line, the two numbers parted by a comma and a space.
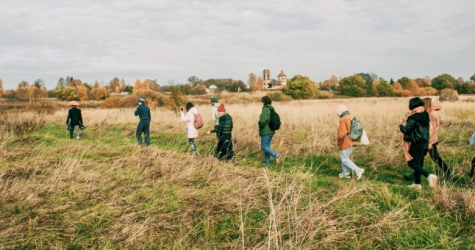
449, 95
42, 106
129, 101
279, 96
300, 87
111, 102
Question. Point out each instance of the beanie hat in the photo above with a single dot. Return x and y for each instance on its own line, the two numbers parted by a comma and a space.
221, 108
214, 99
141, 100
340, 109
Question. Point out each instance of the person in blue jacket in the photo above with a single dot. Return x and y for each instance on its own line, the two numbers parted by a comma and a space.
143, 112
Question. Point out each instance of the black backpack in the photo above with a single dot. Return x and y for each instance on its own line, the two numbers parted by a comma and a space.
274, 120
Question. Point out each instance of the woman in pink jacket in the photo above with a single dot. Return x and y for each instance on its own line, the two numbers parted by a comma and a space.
432, 106
191, 131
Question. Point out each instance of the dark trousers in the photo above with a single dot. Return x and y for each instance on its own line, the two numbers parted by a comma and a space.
418, 151
434, 155
472, 173
143, 127
224, 150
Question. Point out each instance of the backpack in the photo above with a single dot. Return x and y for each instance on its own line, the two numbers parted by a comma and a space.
356, 130
274, 120
198, 121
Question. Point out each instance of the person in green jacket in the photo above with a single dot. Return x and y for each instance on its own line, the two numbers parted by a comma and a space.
266, 133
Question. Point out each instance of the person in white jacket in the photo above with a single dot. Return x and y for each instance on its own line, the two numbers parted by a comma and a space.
191, 131
214, 112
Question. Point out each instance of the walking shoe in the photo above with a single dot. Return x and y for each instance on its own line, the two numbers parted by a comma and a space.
432, 178
197, 154
416, 186
342, 175
360, 175
277, 160
77, 137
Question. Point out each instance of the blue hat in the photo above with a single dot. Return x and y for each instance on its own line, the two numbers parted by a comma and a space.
141, 100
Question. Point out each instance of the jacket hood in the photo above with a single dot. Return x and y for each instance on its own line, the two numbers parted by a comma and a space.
422, 118
436, 105
268, 106
216, 105
193, 110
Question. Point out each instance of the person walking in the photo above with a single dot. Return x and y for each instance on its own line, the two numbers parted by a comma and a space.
214, 112
346, 145
74, 119
224, 150
266, 133
191, 131
432, 106
416, 132
143, 112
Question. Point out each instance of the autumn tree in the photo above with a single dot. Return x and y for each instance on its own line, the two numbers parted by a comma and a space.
22, 91
98, 92
403, 81
74, 82
34, 92
123, 84
139, 86
472, 78
300, 87
152, 84
61, 83
82, 93
260, 83
70, 94
369, 78
353, 86
114, 83
252, 81
412, 87
383, 88
330, 83
177, 99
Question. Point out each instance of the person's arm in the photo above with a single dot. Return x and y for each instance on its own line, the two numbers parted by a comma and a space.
149, 116
184, 118
264, 118
69, 117
137, 111
343, 129
409, 126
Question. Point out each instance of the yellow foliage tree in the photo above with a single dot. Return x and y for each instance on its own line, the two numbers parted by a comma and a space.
260, 83
139, 86
82, 92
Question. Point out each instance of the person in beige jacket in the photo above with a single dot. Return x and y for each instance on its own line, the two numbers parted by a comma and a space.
346, 145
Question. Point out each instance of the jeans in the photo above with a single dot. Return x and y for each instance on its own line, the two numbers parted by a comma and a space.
143, 127
266, 141
72, 131
192, 144
418, 151
346, 164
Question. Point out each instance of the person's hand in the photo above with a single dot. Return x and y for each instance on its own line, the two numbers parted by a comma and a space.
181, 109
208, 132
430, 146
402, 121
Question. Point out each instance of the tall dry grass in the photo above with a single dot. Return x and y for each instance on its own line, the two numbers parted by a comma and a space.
92, 194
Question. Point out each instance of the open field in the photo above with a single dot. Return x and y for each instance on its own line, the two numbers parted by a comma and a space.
106, 192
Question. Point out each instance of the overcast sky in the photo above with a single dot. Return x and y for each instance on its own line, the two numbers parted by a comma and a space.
174, 39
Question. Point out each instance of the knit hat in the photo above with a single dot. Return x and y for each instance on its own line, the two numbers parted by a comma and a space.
214, 99
141, 100
221, 108
340, 109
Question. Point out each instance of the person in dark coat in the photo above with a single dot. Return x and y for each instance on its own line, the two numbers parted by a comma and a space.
143, 112
224, 150
74, 119
416, 133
